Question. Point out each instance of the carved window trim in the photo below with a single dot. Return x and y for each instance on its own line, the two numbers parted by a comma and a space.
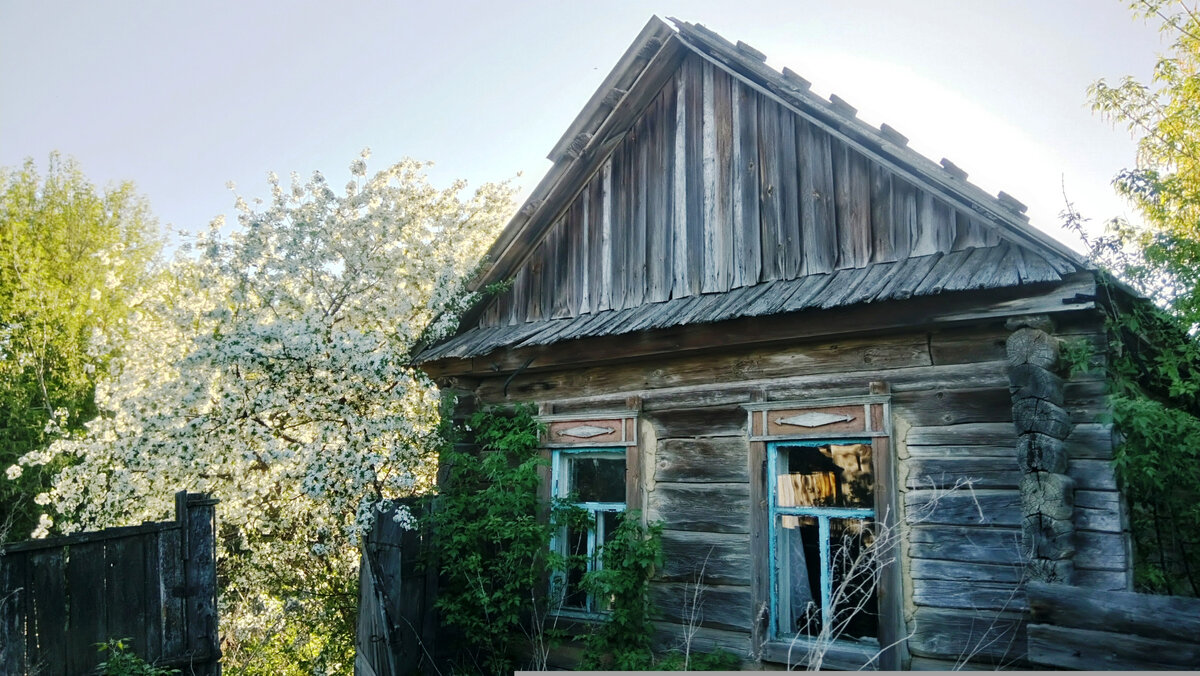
772, 424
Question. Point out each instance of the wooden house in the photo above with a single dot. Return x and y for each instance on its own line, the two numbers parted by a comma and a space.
765, 323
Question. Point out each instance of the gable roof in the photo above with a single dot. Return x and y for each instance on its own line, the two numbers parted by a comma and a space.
698, 185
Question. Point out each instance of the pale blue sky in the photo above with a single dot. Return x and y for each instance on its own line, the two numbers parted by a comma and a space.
181, 97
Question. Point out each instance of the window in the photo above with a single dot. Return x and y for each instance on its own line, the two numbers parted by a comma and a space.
593, 480
821, 513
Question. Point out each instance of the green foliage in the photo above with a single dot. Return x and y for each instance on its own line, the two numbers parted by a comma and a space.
1161, 257
71, 260
717, 660
122, 661
493, 547
630, 558
1159, 466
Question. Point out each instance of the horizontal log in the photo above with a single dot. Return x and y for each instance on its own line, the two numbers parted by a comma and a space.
694, 507
963, 507
722, 607
968, 345
973, 434
929, 664
967, 636
703, 459
953, 406
1067, 648
976, 595
1003, 451
1108, 580
697, 422
834, 656
1100, 551
1149, 615
1098, 511
671, 636
963, 571
916, 313
799, 359
711, 558
1091, 441
992, 545
985, 472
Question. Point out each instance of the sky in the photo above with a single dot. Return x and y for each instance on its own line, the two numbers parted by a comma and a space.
184, 97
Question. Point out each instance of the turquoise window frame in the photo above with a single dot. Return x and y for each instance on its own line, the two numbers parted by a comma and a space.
823, 516
561, 490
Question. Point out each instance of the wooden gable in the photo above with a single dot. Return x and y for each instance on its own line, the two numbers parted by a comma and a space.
704, 180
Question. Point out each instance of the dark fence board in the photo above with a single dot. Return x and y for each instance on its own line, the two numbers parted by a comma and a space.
61, 596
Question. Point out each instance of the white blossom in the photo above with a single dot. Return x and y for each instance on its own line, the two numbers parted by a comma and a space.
271, 369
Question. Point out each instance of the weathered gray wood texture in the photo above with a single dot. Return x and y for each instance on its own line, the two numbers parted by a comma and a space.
1075, 628
397, 626
955, 445
715, 186
155, 584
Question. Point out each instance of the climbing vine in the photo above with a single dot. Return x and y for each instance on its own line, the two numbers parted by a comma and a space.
1153, 369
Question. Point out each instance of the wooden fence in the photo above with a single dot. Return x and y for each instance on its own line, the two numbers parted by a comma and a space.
154, 583
396, 621
1076, 628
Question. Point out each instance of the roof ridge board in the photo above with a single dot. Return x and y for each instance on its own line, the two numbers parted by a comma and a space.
876, 142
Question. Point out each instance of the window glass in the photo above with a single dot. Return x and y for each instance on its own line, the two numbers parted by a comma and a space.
597, 479
822, 510
592, 481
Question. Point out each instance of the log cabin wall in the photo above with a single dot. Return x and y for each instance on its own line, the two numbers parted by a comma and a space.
961, 555
716, 186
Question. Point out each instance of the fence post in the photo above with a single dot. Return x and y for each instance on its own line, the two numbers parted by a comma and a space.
196, 514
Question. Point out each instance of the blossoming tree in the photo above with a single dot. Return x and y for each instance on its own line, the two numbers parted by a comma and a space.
271, 369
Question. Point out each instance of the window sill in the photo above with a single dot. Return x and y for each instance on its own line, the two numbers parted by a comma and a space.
839, 655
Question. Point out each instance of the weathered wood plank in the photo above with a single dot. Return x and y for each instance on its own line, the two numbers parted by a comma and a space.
151, 615
635, 254
747, 233
13, 580
964, 635
1150, 615
200, 576
660, 175
964, 572
1097, 510
714, 421
974, 595
971, 434
717, 137
882, 224
680, 287
964, 507
1106, 580
47, 576
924, 235
86, 577
1091, 441
719, 459
839, 357
119, 557
720, 607
852, 202
953, 407
818, 224
789, 196
674, 636
1069, 648
904, 217
694, 72
709, 558
609, 221
991, 545
1100, 551
774, 248
982, 473
689, 507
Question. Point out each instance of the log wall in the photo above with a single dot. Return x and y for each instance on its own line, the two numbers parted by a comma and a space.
958, 476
